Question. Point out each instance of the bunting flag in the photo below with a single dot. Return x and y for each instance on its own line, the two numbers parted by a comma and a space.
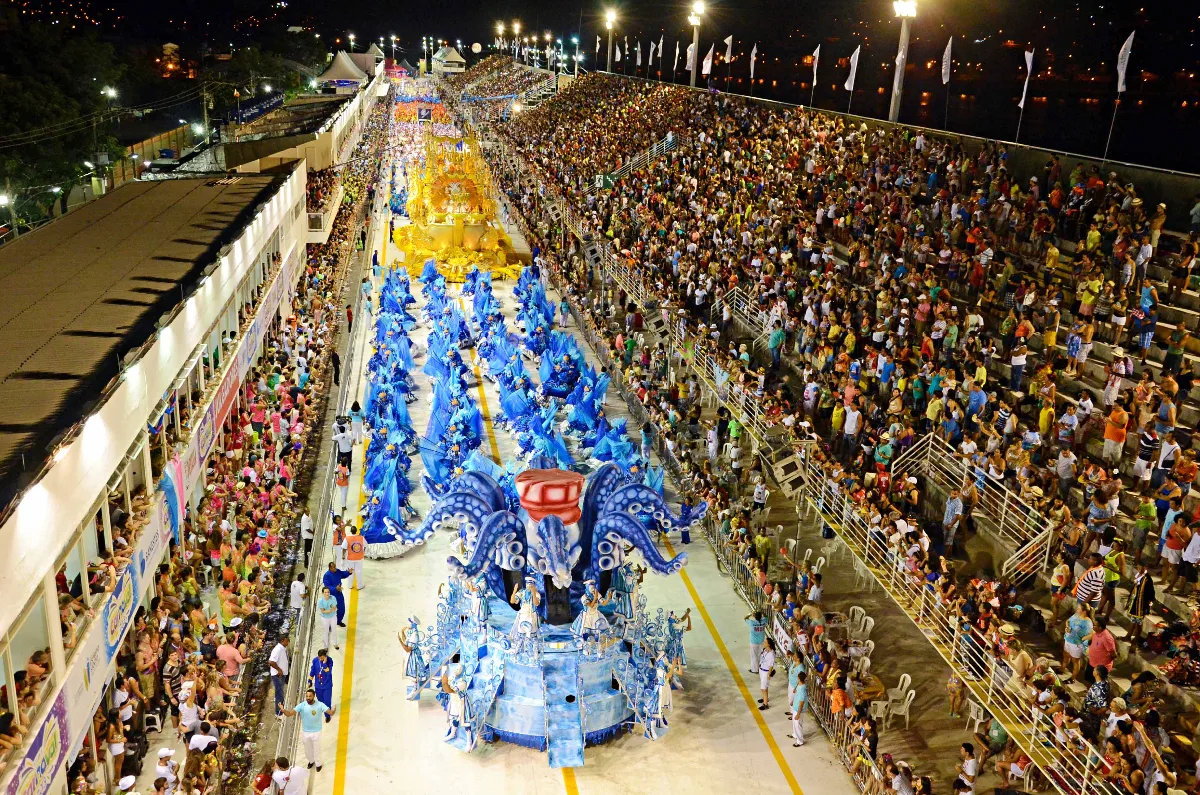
1123, 63
676, 64
729, 49
618, 46
597, 45
1028, 74
661, 50
853, 67
753, 58
707, 70
946, 62
691, 58
816, 60
639, 53
650, 59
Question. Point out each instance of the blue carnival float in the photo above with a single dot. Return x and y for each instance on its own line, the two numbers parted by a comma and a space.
542, 637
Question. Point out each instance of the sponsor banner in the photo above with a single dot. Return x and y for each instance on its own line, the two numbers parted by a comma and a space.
209, 424
783, 641
47, 753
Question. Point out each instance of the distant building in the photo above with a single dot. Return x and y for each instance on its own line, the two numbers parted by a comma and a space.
447, 61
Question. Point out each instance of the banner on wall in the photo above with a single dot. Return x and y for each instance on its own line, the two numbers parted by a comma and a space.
86, 676
782, 639
205, 436
47, 753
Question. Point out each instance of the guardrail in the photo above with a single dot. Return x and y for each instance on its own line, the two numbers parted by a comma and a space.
640, 160
1019, 528
1064, 757
302, 631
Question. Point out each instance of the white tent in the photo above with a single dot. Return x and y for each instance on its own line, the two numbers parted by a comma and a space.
447, 61
374, 50
342, 68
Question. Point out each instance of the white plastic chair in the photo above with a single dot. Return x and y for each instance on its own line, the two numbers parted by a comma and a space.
878, 710
896, 694
863, 631
820, 564
856, 615
901, 708
977, 714
790, 545
861, 666
808, 555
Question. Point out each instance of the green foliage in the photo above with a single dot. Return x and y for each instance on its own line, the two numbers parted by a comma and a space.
51, 81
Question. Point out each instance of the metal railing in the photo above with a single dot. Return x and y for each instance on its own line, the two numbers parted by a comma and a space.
1019, 528
640, 160
1064, 757
302, 630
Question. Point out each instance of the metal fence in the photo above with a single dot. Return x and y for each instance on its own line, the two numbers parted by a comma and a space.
1064, 757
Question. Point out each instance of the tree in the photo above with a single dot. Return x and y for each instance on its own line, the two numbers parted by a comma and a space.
53, 111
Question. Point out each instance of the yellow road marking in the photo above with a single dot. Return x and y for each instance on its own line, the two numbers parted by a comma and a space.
343, 737
749, 698
569, 781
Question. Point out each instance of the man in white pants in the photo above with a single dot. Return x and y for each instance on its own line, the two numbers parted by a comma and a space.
312, 715
758, 632
327, 610
799, 701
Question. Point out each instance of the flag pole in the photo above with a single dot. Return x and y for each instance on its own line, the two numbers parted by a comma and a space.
946, 124
728, 73
1111, 124
1019, 120
848, 103
813, 94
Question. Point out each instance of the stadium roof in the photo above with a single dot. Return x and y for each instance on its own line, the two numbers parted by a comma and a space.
78, 294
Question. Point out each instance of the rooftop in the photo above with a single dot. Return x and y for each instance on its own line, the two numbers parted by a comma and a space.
78, 294
303, 114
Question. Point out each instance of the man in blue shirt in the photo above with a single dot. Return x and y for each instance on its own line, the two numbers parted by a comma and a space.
758, 633
311, 713
333, 581
799, 699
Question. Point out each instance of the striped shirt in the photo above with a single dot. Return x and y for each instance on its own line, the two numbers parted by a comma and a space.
1147, 445
1090, 585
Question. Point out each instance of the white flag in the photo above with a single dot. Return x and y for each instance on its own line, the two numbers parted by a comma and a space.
816, 60
946, 62
853, 67
753, 58
661, 51
708, 62
618, 46
1028, 74
639, 53
597, 45
729, 49
691, 57
650, 60
675, 65
1123, 63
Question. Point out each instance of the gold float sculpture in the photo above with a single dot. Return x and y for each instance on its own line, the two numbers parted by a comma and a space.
452, 213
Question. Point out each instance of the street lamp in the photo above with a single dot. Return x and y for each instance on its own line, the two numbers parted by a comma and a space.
575, 41
267, 87
109, 92
610, 17
351, 37
907, 11
393, 46
694, 19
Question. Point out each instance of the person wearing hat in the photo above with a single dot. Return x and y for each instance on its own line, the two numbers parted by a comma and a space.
127, 783
167, 768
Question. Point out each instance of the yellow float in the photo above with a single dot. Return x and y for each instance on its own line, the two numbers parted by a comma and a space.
452, 213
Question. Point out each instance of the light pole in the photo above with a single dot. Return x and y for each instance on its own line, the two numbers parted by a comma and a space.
610, 17
575, 41
516, 38
351, 38
500, 36
907, 11
393, 46
694, 19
